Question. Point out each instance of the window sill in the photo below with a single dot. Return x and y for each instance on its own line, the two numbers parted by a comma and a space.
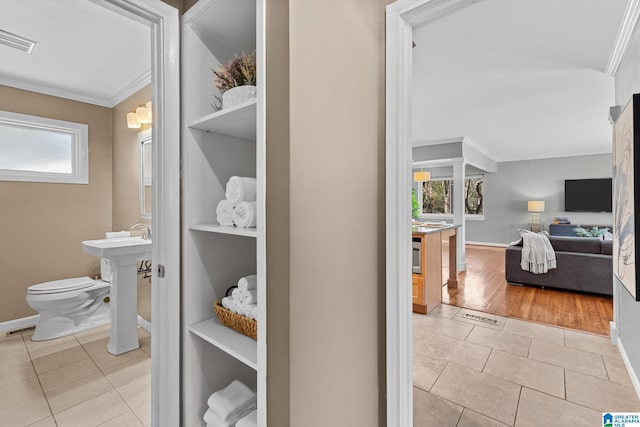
449, 217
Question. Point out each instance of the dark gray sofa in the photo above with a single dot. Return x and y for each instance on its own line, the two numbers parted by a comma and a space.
584, 264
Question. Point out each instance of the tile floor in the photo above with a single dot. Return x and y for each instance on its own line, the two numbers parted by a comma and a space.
515, 373
73, 381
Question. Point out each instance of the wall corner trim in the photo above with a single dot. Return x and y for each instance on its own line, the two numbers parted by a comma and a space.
627, 26
627, 363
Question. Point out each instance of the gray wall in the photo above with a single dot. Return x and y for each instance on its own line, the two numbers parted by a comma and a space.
507, 193
628, 310
438, 151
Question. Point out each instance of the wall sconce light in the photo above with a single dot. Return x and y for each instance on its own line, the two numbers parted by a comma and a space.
421, 176
142, 115
132, 121
535, 207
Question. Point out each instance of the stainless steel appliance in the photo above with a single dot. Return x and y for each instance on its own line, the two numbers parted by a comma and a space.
417, 255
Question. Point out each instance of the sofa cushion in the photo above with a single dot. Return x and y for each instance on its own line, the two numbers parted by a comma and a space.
606, 247
588, 245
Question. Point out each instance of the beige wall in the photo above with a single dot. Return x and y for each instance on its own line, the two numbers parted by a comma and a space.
277, 211
126, 163
337, 367
42, 224
126, 180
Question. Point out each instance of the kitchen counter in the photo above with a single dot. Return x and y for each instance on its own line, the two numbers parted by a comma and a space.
427, 284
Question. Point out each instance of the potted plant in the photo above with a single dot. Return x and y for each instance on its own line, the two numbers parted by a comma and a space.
237, 80
415, 206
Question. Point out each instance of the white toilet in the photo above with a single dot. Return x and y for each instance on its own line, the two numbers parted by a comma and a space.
70, 305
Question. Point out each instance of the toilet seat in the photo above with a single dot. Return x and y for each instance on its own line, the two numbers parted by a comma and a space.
61, 286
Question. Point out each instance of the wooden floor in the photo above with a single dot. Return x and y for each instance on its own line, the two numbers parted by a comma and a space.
483, 287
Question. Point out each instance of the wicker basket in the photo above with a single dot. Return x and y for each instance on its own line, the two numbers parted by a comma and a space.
238, 322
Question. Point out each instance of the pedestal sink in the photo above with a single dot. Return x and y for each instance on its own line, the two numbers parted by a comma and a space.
123, 253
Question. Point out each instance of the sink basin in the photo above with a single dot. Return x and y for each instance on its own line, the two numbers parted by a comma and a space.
134, 247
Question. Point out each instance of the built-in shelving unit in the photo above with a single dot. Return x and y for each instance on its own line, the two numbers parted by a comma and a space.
238, 121
228, 340
216, 228
217, 145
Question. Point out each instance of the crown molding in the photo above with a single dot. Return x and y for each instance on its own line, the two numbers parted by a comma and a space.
132, 87
627, 25
48, 90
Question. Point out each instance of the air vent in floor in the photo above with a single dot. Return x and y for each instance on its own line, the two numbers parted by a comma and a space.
480, 319
17, 331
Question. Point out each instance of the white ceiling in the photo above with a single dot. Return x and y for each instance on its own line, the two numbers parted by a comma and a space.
84, 52
524, 79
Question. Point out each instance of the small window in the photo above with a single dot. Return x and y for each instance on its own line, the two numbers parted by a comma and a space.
38, 149
437, 197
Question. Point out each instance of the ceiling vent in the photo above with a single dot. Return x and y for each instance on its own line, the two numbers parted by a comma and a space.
17, 42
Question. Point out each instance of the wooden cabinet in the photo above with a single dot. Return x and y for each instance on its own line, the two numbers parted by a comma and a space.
427, 285
217, 145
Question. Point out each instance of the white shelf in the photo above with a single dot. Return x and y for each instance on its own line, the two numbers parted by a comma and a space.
216, 228
238, 121
226, 339
230, 22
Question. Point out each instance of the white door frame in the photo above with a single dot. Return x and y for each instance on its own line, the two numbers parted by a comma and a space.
402, 16
165, 222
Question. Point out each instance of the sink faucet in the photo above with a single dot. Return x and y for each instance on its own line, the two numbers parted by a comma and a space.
146, 231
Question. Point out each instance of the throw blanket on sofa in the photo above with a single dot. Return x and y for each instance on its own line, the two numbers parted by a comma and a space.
538, 255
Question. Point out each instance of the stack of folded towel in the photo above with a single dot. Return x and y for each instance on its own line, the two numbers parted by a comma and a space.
229, 405
244, 298
239, 207
250, 420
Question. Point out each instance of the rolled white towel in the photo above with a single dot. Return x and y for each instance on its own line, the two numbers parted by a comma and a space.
213, 420
253, 311
232, 402
236, 294
244, 215
249, 296
240, 189
224, 213
115, 234
243, 309
248, 282
251, 420
229, 304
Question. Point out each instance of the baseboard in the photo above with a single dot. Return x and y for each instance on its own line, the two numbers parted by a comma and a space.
627, 363
144, 323
23, 322
613, 332
498, 245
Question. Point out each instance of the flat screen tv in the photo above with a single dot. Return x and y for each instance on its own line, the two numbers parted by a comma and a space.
587, 195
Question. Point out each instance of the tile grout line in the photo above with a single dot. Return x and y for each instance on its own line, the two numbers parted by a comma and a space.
39, 383
438, 377
116, 389
515, 416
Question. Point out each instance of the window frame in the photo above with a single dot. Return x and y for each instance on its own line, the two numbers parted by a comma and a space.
79, 149
473, 217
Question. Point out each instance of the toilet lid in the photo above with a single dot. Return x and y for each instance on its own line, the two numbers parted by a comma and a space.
64, 285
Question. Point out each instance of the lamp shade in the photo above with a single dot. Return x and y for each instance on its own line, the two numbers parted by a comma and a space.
143, 116
149, 108
132, 121
421, 176
535, 205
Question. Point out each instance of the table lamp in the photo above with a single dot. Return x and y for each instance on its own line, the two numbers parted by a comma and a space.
535, 207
